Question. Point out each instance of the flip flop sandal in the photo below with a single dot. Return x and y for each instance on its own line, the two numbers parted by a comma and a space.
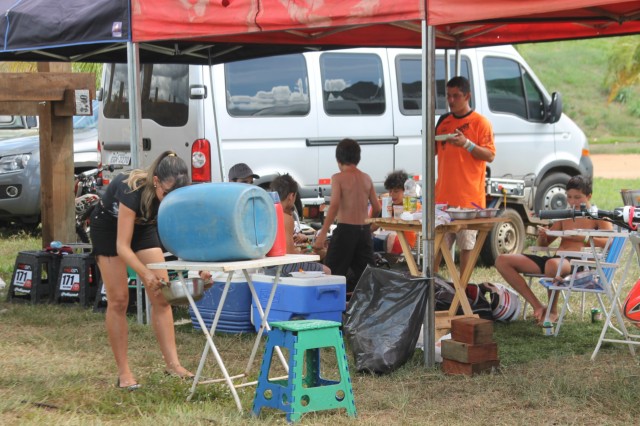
130, 388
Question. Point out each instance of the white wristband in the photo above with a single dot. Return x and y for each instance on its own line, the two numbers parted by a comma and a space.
469, 146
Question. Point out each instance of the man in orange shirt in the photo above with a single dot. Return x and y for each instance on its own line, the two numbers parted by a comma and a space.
462, 159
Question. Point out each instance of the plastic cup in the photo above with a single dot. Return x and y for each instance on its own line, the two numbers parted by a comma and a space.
397, 211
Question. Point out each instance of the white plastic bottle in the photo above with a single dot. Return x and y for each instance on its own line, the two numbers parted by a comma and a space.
410, 187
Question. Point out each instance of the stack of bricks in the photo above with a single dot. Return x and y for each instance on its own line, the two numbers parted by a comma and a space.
471, 349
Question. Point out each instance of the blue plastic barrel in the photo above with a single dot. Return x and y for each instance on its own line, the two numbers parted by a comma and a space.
215, 222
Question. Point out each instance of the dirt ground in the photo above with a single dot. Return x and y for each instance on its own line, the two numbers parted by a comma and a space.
616, 166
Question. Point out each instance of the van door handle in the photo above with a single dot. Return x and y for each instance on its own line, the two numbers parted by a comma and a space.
146, 144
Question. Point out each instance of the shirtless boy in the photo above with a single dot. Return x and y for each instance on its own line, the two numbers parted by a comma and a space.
511, 266
351, 245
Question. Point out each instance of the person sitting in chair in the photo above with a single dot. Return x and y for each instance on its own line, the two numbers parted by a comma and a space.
287, 189
394, 183
511, 266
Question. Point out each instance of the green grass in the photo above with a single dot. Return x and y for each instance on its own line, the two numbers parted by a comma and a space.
58, 369
11, 242
581, 82
606, 192
618, 145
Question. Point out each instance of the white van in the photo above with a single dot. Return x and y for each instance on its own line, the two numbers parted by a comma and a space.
286, 114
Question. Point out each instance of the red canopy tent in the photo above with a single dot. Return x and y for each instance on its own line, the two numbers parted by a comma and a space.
197, 31
464, 23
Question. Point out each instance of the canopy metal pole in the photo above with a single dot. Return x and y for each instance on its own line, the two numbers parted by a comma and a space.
447, 68
215, 123
135, 114
135, 142
428, 205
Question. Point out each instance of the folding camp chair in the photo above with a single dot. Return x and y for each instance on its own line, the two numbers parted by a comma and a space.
590, 276
630, 339
551, 251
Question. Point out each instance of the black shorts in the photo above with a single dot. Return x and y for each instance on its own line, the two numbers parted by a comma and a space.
540, 260
104, 231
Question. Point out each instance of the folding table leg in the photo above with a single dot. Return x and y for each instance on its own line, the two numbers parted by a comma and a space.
205, 353
263, 318
214, 350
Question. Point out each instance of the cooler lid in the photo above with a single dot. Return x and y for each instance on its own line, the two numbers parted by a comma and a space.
302, 282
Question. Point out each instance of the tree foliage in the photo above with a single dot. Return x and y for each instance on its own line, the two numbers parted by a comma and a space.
624, 66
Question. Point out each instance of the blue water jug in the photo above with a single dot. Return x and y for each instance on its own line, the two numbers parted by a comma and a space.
215, 222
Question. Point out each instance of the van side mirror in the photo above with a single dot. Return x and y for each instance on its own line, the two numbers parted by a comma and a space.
197, 91
554, 110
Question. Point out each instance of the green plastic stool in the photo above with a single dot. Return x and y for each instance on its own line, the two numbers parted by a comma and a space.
301, 393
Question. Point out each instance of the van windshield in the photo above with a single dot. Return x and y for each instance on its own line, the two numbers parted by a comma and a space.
164, 88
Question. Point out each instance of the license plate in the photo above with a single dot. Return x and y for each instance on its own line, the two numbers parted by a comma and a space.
120, 158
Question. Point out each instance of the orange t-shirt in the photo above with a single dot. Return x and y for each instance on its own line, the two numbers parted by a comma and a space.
461, 176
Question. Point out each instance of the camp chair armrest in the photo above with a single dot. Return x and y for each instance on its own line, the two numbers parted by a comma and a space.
575, 254
592, 264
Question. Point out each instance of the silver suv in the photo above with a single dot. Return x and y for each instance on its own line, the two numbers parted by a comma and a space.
20, 168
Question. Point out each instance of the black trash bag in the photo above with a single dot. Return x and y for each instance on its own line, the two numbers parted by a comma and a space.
384, 317
445, 291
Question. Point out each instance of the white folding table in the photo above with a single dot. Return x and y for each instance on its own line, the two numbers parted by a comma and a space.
230, 268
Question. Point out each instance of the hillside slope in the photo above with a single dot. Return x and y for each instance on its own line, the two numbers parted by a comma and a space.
577, 69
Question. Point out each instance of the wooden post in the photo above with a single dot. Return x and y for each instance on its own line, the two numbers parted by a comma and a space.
50, 95
56, 176
57, 223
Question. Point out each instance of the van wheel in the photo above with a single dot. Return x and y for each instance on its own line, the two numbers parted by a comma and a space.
552, 193
505, 237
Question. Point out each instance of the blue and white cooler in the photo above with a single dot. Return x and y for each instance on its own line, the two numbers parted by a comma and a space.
235, 317
309, 295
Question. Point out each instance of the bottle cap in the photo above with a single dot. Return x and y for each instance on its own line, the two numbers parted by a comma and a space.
546, 324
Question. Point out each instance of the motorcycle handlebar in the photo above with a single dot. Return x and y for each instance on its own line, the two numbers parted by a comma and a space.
625, 216
558, 214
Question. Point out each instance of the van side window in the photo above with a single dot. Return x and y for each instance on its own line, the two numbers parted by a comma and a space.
352, 84
268, 87
535, 99
164, 89
409, 70
510, 89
